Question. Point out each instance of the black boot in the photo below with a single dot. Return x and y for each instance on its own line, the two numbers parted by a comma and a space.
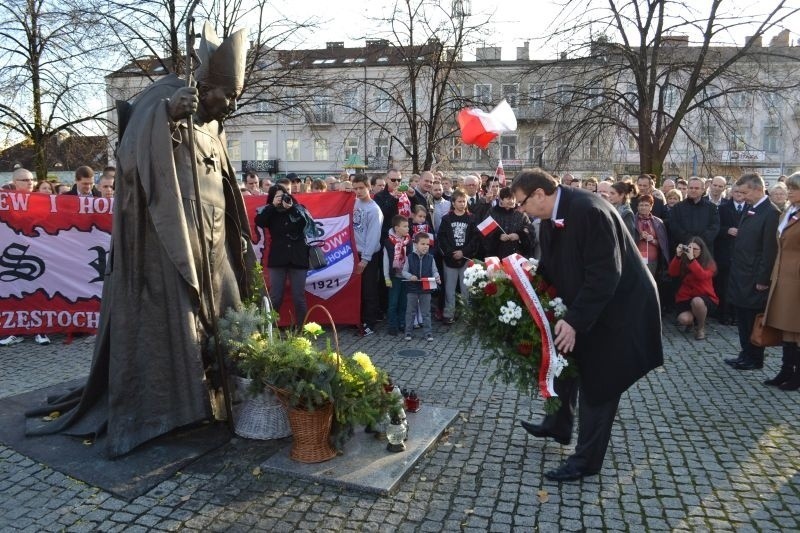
787, 366
793, 383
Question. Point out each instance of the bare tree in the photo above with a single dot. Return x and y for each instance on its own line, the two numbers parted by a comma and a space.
428, 40
653, 71
47, 84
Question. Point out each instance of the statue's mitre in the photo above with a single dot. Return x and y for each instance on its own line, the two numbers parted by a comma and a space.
222, 63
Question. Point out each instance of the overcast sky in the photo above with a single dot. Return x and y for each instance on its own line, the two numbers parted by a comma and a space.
511, 21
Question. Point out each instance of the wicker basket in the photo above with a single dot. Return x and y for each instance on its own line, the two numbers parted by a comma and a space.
262, 416
311, 431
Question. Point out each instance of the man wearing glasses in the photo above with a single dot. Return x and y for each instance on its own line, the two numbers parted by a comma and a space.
613, 321
23, 182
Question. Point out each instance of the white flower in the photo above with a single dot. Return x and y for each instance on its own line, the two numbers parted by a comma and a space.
482, 284
474, 274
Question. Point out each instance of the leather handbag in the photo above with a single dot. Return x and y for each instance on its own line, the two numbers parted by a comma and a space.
764, 335
316, 257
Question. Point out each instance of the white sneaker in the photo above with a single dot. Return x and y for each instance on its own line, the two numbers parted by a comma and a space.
10, 341
42, 340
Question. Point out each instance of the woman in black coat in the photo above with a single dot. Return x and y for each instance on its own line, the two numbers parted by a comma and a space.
288, 251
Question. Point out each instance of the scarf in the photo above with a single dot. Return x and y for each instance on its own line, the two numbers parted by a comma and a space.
400, 244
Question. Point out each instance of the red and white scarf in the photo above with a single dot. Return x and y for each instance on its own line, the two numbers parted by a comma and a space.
400, 244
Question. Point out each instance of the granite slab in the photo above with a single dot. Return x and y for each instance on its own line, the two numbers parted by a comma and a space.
366, 464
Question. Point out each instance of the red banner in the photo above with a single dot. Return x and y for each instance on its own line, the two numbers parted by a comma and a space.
53, 252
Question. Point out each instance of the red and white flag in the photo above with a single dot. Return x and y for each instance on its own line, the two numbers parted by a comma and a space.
480, 128
500, 174
488, 225
428, 284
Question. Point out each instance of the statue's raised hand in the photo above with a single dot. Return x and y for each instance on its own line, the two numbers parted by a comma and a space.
183, 103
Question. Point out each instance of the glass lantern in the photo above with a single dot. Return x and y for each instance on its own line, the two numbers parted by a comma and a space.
396, 434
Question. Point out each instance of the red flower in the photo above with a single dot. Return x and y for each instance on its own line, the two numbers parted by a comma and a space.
541, 286
490, 289
550, 314
470, 263
551, 292
525, 348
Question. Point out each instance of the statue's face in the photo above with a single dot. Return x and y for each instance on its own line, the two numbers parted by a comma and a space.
218, 102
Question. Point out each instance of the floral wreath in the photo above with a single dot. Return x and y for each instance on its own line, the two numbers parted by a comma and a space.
512, 310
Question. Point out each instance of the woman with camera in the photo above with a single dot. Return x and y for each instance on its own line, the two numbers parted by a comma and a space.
695, 299
288, 251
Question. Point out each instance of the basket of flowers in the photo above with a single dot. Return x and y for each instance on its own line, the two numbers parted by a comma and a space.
512, 311
325, 393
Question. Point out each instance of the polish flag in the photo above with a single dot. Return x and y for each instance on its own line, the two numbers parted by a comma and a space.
480, 128
428, 284
500, 174
488, 226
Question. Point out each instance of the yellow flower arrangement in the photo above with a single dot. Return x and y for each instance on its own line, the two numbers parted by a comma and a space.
365, 363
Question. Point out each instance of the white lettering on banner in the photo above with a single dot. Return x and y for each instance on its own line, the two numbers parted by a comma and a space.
19, 202
73, 263
91, 205
53, 208
338, 249
38, 320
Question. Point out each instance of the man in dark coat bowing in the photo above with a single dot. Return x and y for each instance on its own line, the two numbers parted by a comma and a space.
613, 321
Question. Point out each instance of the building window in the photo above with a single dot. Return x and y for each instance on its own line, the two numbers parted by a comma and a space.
263, 107
737, 140
320, 110
632, 95
508, 146
592, 149
234, 149
633, 143
670, 97
292, 149
536, 99
350, 99
595, 97
536, 150
483, 93
350, 147
511, 94
262, 150
381, 147
456, 149
320, 150
564, 93
771, 139
707, 139
382, 102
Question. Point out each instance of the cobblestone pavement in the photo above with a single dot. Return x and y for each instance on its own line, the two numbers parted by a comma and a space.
696, 446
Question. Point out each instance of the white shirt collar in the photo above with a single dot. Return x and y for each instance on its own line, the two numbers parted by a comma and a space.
555, 205
758, 203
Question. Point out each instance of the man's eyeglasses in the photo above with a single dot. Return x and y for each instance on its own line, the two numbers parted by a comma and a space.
397, 180
524, 201
23, 179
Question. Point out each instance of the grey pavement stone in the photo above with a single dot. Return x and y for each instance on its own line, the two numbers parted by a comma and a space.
696, 446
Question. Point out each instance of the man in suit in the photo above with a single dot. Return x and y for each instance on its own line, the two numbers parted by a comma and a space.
84, 183
613, 321
730, 214
754, 252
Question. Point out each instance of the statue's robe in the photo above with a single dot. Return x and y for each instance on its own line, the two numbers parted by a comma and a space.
149, 371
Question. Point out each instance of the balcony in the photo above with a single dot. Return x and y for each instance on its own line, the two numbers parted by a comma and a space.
320, 118
530, 113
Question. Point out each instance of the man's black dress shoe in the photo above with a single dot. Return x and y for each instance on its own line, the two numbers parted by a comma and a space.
749, 365
733, 361
567, 472
538, 431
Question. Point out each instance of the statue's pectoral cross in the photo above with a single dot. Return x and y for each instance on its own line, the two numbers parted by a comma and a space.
212, 161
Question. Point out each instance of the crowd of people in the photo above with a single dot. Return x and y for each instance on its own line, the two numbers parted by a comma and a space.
86, 183
688, 232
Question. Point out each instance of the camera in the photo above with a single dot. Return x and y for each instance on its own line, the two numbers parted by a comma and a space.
287, 198
685, 248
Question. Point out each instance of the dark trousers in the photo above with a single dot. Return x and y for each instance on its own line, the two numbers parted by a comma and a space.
744, 322
369, 294
594, 425
721, 288
297, 284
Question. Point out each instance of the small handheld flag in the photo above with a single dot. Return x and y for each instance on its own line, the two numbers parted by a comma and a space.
428, 284
488, 225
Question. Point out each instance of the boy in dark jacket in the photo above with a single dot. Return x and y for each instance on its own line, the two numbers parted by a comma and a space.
395, 248
422, 277
458, 240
